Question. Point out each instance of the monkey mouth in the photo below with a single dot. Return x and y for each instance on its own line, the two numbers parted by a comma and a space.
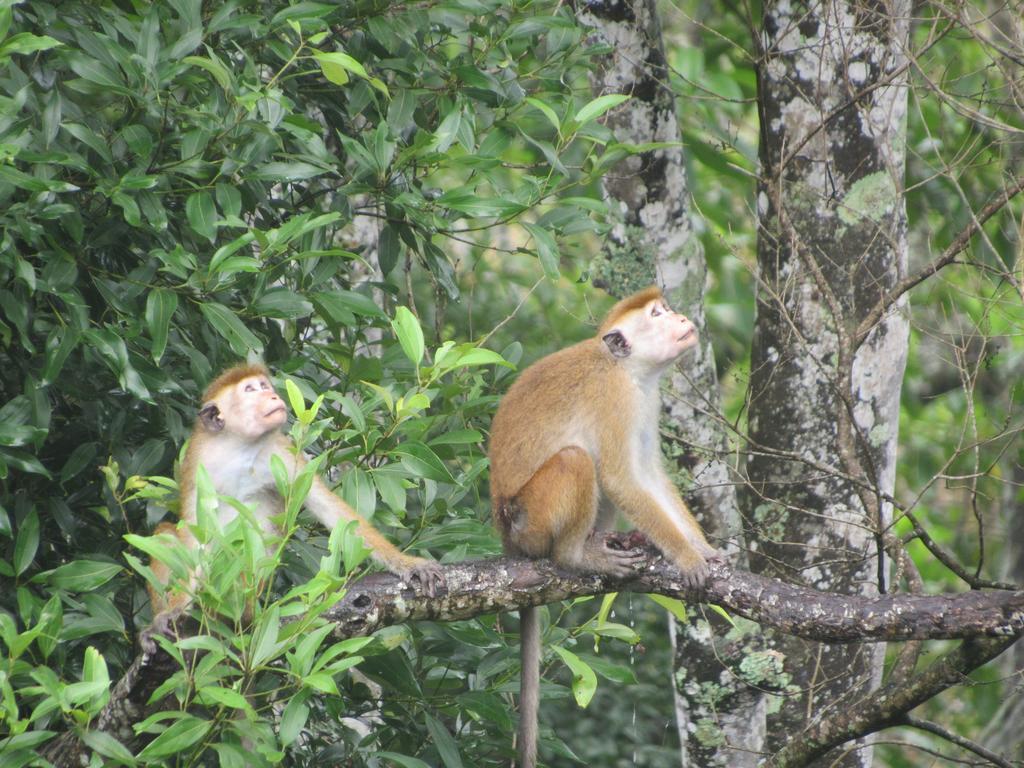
689, 334
275, 410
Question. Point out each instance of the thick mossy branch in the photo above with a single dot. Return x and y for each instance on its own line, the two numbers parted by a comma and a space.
506, 584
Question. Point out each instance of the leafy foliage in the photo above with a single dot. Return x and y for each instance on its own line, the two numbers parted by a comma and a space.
184, 185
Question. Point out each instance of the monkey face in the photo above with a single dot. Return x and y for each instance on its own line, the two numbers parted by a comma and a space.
250, 408
653, 335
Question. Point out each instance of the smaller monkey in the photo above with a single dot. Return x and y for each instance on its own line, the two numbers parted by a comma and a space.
579, 424
237, 431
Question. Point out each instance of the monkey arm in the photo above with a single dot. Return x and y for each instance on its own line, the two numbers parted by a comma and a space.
657, 510
332, 511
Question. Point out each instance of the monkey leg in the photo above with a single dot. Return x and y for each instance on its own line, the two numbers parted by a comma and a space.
559, 509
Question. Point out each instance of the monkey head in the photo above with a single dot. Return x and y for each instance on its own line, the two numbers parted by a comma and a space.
644, 329
243, 402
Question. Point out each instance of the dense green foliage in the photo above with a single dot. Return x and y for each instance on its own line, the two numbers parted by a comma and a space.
186, 186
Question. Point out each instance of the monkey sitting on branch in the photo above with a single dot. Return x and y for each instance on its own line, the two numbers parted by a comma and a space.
237, 432
576, 425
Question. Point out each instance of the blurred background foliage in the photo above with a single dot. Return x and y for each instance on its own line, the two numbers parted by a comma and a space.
184, 185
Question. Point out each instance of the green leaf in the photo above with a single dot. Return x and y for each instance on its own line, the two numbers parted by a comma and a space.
547, 249
722, 612
473, 205
617, 631
294, 717
202, 214
283, 304
21, 460
96, 72
114, 352
227, 324
347, 540
26, 42
458, 437
676, 607
215, 67
479, 356
606, 607
584, 681
422, 461
264, 640
322, 682
295, 399
221, 254
178, 737
409, 333
160, 306
296, 171
51, 620
225, 697
594, 109
81, 575
27, 740
617, 673
547, 111
107, 746
448, 130
404, 761
129, 208
27, 543
443, 741
336, 65
389, 248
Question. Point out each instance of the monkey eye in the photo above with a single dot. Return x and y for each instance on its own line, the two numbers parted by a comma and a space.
249, 388
655, 310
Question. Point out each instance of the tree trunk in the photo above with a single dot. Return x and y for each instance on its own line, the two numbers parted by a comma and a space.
824, 410
653, 241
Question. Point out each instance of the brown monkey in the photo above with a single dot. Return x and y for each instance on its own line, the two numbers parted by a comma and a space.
236, 433
579, 424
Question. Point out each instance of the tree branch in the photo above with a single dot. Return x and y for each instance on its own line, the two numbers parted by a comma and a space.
506, 584
888, 705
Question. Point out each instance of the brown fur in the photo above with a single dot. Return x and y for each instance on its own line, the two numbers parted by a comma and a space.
233, 375
628, 304
237, 456
577, 424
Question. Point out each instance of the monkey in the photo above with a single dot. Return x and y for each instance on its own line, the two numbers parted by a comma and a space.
237, 431
578, 429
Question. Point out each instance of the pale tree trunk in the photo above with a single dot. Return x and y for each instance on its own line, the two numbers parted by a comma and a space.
823, 408
1004, 733
654, 242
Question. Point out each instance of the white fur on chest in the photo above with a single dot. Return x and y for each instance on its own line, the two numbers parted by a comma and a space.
241, 471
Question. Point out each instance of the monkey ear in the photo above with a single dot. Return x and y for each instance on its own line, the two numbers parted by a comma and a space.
210, 417
617, 344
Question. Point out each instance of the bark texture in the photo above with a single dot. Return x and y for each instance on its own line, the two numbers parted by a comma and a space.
506, 584
832, 243
654, 241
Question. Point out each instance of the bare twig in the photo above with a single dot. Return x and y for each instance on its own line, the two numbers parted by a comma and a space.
960, 242
953, 738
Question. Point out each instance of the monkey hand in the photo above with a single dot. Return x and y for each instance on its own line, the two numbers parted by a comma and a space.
609, 553
427, 575
696, 566
163, 624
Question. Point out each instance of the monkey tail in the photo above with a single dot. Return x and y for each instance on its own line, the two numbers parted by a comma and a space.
529, 685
